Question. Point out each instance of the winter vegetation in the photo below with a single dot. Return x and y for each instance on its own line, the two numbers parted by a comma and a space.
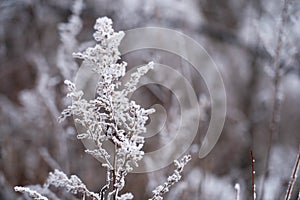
46, 121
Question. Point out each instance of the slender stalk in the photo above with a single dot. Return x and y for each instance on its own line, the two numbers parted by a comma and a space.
293, 178
274, 123
253, 192
115, 173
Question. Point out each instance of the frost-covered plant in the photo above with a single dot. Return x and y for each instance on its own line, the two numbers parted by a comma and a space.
174, 178
73, 184
111, 116
33, 194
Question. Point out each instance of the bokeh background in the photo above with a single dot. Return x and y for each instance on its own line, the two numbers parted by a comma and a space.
240, 36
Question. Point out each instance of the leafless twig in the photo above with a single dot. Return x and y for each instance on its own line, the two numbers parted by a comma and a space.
253, 176
274, 124
293, 178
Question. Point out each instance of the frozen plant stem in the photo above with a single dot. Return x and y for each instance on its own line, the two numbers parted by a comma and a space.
174, 178
33, 194
293, 178
275, 120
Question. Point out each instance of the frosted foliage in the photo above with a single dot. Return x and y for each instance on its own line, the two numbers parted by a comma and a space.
104, 55
59, 179
160, 190
72, 184
111, 116
33, 194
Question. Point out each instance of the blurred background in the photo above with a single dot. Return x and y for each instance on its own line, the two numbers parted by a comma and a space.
239, 35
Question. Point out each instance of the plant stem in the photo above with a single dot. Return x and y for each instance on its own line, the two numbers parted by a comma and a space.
293, 178
114, 173
274, 124
253, 176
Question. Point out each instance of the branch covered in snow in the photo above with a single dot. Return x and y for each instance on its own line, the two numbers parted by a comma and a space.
73, 184
33, 194
111, 116
174, 178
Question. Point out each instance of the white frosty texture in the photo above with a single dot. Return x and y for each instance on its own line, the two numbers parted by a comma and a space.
33, 194
73, 184
59, 179
160, 190
111, 116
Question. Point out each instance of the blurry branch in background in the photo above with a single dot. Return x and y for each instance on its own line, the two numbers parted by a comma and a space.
69, 44
278, 72
293, 178
49, 159
230, 38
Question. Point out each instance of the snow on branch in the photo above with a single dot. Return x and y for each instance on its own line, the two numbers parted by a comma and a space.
31, 193
174, 178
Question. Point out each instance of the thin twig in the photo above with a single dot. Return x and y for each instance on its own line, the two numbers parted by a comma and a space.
105, 188
293, 178
49, 159
253, 176
115, 173
274, 124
